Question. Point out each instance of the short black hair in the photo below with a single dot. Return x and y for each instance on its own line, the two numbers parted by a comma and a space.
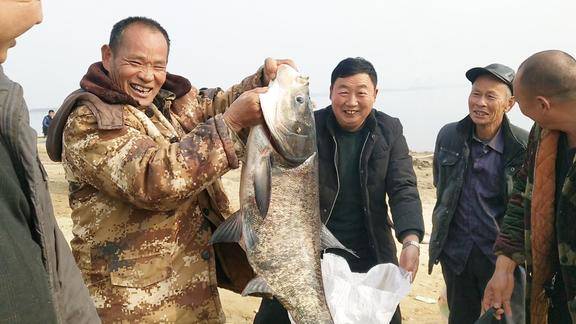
119, 27
49, 111
352, 66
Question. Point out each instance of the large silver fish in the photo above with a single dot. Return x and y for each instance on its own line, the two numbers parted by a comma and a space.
279, 220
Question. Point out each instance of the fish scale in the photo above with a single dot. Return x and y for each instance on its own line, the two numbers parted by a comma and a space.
279, 220
290, 234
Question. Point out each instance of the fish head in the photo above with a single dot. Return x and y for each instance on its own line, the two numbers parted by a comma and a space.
289, 115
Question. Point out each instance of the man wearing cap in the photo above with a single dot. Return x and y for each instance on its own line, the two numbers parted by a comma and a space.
474, 162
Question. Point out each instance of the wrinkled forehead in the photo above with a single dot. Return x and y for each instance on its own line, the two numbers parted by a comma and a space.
139, 37
486, 82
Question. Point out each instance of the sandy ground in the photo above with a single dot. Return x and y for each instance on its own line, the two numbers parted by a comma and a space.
419, 307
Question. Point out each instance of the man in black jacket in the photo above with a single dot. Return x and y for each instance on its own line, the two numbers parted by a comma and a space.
363, 157
474, 162
39, 279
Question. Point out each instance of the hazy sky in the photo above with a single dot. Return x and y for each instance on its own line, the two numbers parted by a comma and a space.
421, 49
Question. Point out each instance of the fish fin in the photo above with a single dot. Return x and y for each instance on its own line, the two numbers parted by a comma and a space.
257, 287
230, 230
329, 241
263, 185
250, 238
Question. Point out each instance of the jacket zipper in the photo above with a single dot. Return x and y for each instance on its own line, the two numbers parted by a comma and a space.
337, 179
371, 228
366, 208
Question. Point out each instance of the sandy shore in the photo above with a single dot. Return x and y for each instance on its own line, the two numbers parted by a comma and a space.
242, 309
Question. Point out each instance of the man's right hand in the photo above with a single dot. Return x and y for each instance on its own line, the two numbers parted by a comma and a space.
245, 110
499, 289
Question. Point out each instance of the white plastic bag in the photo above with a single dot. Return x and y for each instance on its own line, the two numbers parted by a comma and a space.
365, 298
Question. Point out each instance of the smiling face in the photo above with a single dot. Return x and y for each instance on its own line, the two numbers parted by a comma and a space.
16, 17
489, 100
138, 65
352, 100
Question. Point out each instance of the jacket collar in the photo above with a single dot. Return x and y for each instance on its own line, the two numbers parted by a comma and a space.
496, 143
512, 145
98, 82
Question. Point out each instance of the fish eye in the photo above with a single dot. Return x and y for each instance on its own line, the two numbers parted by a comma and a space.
300, 99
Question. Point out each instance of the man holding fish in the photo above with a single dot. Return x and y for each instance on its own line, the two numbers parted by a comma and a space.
362, 157
143, 152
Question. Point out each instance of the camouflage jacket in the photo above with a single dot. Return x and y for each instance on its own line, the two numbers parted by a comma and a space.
514, 238
140, 194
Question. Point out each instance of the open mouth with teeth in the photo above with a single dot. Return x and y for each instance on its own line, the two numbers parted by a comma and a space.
141, 90
480, 113
351, 112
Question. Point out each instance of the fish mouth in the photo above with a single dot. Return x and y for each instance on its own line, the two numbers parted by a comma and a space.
285, 113
282, 144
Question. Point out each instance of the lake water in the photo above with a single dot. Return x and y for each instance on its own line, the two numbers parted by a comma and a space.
422, 112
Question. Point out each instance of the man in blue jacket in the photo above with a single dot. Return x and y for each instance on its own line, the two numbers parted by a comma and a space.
46, 122
474, 162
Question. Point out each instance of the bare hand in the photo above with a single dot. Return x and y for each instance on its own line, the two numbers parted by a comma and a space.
410, 257
499, 289
271, 66
245, 110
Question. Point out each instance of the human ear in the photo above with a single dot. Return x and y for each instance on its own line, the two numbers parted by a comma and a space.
511, 102
543, 104
106, 56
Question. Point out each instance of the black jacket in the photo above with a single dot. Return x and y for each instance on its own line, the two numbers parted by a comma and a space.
451, 157
385, 170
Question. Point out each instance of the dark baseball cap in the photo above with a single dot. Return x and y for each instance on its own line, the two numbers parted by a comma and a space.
499, 71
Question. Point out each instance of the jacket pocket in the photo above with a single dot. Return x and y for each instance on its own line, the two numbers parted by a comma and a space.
141, 271
447, 157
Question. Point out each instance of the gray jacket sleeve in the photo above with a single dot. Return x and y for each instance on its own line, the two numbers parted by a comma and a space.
71, 298
74, 301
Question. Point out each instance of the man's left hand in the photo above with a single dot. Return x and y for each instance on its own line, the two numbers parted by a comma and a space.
410, 256
271, 66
